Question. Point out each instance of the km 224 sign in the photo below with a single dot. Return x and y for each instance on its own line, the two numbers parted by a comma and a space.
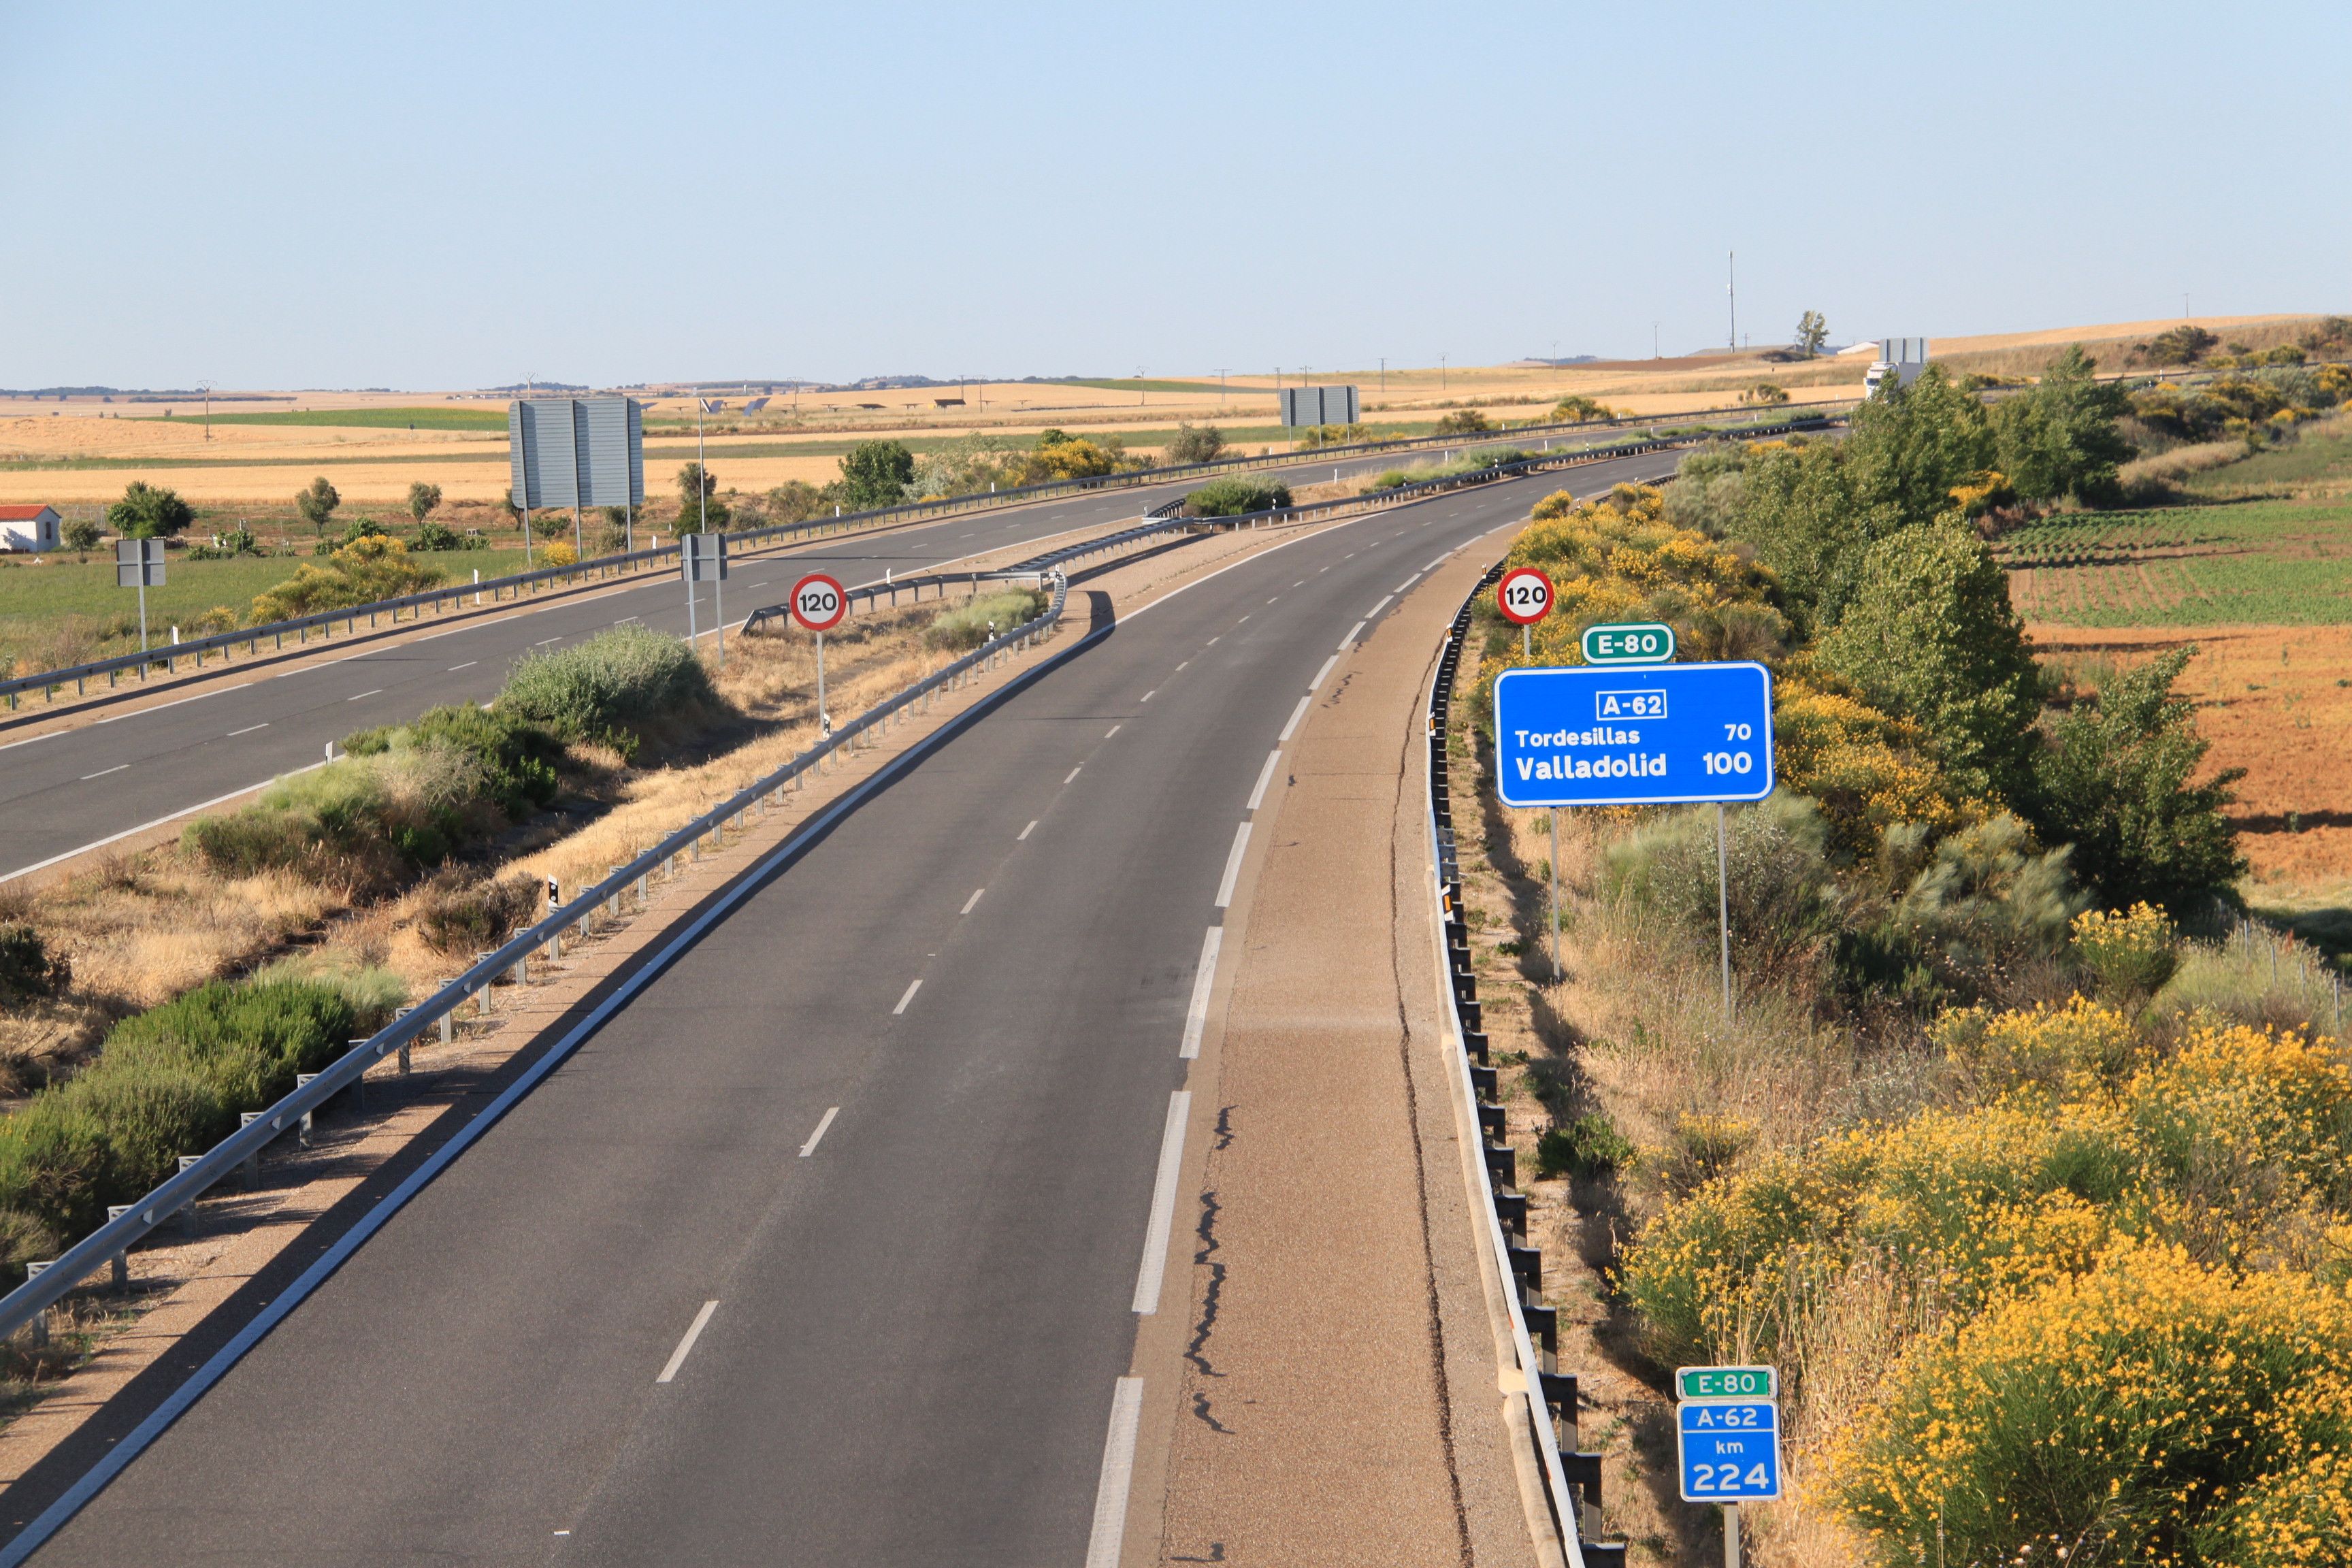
1644, 736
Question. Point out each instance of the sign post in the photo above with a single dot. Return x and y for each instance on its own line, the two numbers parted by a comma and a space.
705, 555
139, 563
818, 604
1728, 1440
1662, 734
1523, 597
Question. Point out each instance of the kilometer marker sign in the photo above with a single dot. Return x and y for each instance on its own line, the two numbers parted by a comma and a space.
1524, 596
818, 603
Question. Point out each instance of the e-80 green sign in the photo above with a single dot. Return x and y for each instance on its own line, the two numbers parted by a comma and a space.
1726, 1383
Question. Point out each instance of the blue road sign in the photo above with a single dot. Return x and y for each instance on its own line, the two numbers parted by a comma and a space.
1639, 735
1729, 1449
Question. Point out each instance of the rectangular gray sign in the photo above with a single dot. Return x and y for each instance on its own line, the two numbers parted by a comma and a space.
1308, 405
576, 451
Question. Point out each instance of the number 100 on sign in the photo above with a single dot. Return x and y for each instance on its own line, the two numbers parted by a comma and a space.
1644, 736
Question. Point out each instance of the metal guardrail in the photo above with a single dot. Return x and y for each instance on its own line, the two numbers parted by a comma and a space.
1571, 1477
522, 583
128, 1224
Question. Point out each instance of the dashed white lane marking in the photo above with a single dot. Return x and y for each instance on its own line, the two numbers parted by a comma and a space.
248, 730
1025, 833
544, 641
818, 1136
1264, 778
1151, 694
1109, 1531
1408, 582
1295, 715
1163, 1204
1313, 685
1353, 633
972, 903
102, 772
356, 696
1074, 772
1204, 980
1376, 609
467, 665
912, 986
693, 1333
1211, 643
1232, 865
1114, 730
1181, 667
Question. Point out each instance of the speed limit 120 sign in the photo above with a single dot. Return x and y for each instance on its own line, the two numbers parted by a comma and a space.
1524, 596
818, 603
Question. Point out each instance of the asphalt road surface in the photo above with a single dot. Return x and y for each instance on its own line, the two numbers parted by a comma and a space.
867, 1174
69, 790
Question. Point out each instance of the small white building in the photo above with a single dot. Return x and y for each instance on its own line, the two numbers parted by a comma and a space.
23, 528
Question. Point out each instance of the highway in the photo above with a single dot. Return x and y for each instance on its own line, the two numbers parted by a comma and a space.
67, 790
825, 1251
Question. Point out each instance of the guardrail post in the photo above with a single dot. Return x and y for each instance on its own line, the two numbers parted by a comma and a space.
303, 1136
118, 1266
39, 1326
188, 1209
359, 1085
449, 1015
251, 1165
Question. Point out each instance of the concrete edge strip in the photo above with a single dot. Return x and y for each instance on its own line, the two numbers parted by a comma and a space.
37, 1534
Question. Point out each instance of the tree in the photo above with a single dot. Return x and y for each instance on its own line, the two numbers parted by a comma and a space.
2060, 439
318, 503
1812, 331
876, 474
1913, 446
423, 500
149, 511
795, 501
1931, 636
700, 510
81, 534
1801, 506
1464, 422
2113, 782
1196, 443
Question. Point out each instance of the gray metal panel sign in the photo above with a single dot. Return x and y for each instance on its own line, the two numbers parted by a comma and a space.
138, 563
1307, 406
706, 556
576, 451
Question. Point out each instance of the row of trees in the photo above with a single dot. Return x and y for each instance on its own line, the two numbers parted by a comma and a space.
1877, 565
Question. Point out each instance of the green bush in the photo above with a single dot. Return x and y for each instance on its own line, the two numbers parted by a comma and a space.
1236, 494
1464, 422
368, 823
433, 535
2061, 438
169, 1082
966, 626
1589, 1146
1196, 443
466, 914
518, 757
609, 688
2115, 782
149, 511
1784, 902
876, 474
27, 968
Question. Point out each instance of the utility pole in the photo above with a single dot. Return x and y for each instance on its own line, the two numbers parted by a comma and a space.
1731, 291
1384, 376
1221, 383
1441, 372
208, 409
1653, 341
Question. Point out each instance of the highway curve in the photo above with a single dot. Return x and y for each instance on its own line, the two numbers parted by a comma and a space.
975, 988
67, 790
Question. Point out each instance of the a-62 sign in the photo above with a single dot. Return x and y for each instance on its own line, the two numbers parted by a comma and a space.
1729, 1449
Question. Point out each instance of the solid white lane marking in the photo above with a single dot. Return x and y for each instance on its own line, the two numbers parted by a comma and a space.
1204, 980
912, 986
1353, 632
158, 707
248, 730
972, 903
1074, 772
1112, 731
102, 772
816, 1137
1025, 833
1376, 609
169, 816
1314, 684
377, 692
30, 739
1232, 865
1109, 1532
1265, 777
1163, 1204
1295, 715
693, 1333
467, 665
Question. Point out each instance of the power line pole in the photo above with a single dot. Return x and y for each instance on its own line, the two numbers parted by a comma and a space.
1731, 291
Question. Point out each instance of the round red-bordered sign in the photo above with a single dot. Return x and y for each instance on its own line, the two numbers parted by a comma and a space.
1524, 596
818, 603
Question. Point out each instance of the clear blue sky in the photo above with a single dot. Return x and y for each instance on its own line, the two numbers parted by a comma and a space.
424, 196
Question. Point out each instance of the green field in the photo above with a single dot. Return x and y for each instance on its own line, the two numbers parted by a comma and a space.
467, 416
66, 612
2285, 563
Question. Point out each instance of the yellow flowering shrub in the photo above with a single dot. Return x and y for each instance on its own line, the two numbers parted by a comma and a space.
2133, 952
1868, 769
2073, 1049
558, 553
2151, 1410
